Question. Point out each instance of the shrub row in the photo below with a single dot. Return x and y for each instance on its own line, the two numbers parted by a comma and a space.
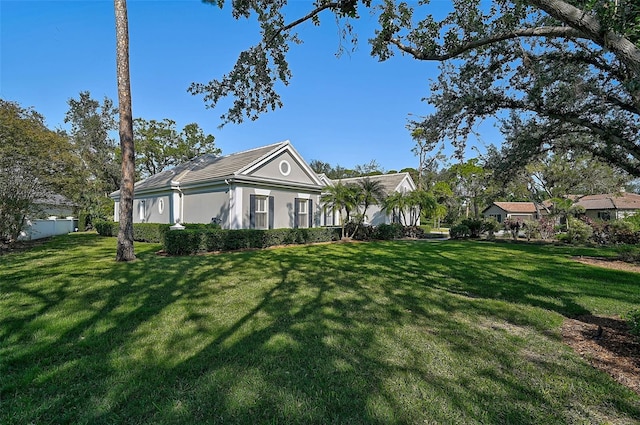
142, 232
384, 232
191, 241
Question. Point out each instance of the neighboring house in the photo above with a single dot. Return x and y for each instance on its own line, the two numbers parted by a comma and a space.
521, 211
263, 188
396, 182
610, 206
55, 205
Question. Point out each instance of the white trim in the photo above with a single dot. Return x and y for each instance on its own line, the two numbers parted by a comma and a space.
176, 204
262, 192
235, 207
304, 195
284, 162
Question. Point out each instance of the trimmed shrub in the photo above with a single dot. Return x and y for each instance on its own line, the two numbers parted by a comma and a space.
474, 225
459, 231
191, 241
106, 228
491, 226
386, 232
142, 232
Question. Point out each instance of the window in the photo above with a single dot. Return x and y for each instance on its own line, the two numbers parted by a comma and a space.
328, 216
261, 213
285, 168
604, 215
302, 213
498, 217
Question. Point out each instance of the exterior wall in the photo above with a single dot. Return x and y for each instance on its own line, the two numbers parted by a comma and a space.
152, 209
376, 216
284, 206
202, 207
497, 212
613, 214
404, 187
271, 170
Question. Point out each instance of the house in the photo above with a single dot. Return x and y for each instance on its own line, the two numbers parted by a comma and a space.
521, 211
390, 183
609, 206
263, 188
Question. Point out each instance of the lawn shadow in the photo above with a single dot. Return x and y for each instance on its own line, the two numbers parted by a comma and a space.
319, 334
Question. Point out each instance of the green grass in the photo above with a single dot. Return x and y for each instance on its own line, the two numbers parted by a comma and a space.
376, 333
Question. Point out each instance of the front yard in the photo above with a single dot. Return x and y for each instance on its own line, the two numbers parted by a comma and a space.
406, 332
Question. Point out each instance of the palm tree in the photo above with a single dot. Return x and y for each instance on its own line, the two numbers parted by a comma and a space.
368, 192
341, 197
125, 250
371, 193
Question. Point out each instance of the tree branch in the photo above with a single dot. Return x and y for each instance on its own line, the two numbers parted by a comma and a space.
526, 32
590, 26
308, 16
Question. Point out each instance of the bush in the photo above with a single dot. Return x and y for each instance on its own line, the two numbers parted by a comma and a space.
191, 241
364, 233
513, 226
459, 231
386, 232
106, 228
142, 232
633, 320
578, 232
491, 226
531, 229
474, 225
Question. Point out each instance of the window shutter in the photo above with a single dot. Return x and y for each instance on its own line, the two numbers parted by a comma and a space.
310, 212
296, 213
271, 211
252, 211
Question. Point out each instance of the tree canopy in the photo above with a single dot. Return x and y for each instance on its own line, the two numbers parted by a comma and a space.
35, 163
159, 145
556, 73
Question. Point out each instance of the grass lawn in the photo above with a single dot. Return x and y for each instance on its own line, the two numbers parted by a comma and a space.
377, 333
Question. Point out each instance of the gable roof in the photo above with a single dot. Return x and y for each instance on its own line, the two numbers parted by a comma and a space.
516, 207
610, 201
389, 182
210, 168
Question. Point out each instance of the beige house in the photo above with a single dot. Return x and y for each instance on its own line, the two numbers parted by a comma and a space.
521, 211
609, 206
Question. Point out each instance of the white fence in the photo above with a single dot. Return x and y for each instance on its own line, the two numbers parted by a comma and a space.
38, 229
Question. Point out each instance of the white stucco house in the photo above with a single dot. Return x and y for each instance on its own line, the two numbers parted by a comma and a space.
263, 188
268, 187
395, 182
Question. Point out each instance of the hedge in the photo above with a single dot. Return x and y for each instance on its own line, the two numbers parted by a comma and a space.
191, 241
142, 232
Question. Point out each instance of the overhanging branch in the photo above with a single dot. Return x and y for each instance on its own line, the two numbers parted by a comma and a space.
526, 32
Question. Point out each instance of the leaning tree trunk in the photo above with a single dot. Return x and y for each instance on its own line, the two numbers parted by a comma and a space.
125, 235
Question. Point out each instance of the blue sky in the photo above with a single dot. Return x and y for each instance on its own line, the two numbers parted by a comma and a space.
343, 110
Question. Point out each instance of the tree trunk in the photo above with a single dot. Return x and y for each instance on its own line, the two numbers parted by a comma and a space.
125, 250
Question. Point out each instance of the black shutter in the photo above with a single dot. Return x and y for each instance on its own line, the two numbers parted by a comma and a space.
271, 211
252, 211
296, 213
310, 212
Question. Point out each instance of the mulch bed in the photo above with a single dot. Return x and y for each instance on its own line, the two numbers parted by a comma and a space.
605, 342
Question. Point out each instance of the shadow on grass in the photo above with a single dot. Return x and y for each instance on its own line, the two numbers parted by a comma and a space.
367, 333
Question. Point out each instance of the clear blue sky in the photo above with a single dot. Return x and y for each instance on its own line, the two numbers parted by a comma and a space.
347, 110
